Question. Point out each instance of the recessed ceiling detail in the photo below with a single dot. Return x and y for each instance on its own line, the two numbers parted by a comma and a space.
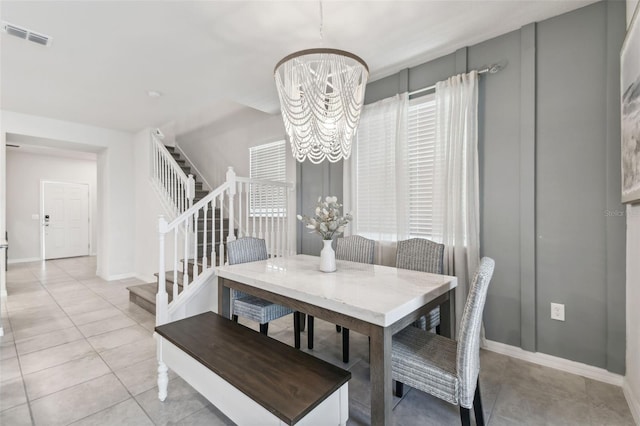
26, 34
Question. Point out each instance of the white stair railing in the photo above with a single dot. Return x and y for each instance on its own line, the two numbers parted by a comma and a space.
238, 208
175, 186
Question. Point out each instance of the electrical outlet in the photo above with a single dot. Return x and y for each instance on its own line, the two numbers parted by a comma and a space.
557, 311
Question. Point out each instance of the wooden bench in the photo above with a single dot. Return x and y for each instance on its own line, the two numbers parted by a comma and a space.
251, 378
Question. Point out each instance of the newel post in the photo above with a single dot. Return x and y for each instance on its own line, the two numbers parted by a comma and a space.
231, 181
162, 299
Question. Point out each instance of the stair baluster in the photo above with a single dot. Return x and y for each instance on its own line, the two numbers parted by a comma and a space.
195, 243
175, 256
204, 236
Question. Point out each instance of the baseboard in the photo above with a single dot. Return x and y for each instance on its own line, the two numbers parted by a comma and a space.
573, 367
118, 276
632, 401
23, 260
146, 278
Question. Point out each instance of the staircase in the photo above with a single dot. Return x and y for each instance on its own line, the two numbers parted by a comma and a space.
144, 295
197, 224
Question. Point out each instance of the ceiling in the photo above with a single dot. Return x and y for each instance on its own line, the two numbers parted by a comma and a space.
213, 58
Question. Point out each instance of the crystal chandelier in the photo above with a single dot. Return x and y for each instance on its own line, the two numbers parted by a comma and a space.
321, 95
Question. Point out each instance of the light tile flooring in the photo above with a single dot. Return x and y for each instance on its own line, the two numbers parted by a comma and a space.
75, 351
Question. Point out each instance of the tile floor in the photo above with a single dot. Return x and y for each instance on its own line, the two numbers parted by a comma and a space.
75, 351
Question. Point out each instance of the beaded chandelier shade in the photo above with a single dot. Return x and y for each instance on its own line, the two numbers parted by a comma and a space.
321, 95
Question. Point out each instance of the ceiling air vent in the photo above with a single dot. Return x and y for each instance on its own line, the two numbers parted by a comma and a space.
26, 34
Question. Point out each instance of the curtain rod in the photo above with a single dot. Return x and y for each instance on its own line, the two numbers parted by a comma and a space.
492, 69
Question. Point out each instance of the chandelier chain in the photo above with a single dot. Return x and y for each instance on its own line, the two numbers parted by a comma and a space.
321, 21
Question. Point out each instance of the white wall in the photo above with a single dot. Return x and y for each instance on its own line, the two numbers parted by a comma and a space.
25, 171
115, 204
148, 209
632, 379
216, 146
3, 284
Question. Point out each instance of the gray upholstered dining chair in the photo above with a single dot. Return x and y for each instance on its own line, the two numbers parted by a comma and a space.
419, 254
440, 366
250, 249
354, 249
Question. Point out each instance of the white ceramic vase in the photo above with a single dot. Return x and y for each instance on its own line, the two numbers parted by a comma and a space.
327, 257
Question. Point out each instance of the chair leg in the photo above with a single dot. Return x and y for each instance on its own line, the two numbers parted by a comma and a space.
235, 318
345, 345
296, 330
338, 329
303, 321
309, 331
465, 416
477, 406
264, 328
399, 389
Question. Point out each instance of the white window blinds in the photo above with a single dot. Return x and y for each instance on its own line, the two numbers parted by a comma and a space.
395, 170
375, 203
267, 162
421, 146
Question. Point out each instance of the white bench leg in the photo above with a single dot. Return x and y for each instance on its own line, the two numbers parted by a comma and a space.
163, 380
344, 404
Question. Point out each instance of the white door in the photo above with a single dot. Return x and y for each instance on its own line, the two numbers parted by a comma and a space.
65, 219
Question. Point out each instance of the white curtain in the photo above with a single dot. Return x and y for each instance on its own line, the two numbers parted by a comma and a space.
456, 194
380, 208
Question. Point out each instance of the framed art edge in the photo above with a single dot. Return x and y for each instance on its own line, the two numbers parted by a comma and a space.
632, 196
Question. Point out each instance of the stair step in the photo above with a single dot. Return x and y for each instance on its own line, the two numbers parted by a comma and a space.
168, 276
186, 170
171, 149
144, 295
199, 263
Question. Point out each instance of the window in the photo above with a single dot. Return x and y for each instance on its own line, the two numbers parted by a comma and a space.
421, 147
395, 170
375, 204
267, 162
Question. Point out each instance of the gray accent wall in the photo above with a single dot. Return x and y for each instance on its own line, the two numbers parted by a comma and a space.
549, 146
313, 181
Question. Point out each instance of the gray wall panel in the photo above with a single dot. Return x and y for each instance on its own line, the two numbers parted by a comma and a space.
429, 73
571, 184
615, 224
499, 150
315, 180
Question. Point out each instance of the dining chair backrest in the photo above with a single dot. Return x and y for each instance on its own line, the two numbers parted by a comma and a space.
468, 355
355, 249
247, 249
419, 254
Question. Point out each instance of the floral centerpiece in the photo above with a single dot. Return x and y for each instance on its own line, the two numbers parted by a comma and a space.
327, 223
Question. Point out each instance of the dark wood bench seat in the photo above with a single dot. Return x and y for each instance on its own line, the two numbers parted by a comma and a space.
286, 382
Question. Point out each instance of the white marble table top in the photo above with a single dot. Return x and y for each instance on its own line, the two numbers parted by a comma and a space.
380, 295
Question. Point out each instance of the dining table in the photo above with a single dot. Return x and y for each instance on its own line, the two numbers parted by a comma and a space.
373, 300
